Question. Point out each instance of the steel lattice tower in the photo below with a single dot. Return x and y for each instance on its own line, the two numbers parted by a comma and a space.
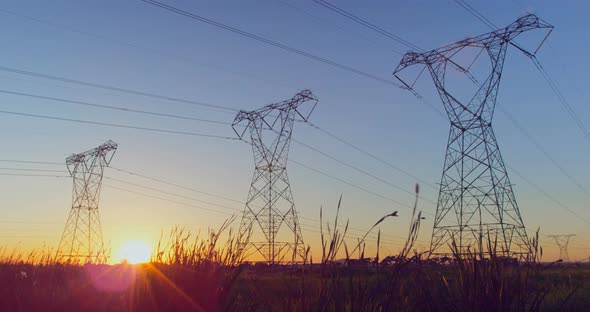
270, 203
476, 197
81, 240
562, 241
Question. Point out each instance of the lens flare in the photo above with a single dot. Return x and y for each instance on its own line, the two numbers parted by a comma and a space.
135, 252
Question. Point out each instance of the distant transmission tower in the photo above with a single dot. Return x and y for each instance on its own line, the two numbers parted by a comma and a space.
270, 205
81, 240
476, 197
562, 241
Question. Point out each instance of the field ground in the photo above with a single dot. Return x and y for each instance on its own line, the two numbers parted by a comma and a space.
211, 287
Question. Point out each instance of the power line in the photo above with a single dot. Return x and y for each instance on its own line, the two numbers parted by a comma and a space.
386, 34
111, 107
561, 98
367, 24
326, 22
542, 149
174, 184
269, 42
205, 193
282, 46
214, 210
172, 194
192, 199
369, 154
31, 169
32, 162
118, 125
33, 175
358, 169
548, 196
476, 14
353, 185
113, 88
167, 199
135, 46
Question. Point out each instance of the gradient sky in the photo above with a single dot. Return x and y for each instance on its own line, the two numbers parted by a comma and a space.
134, 45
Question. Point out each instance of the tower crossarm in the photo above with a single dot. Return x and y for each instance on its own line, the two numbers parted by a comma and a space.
500, 36
271, 115
103, 153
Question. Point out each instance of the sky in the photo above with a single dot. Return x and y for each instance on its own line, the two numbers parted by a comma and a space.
133, 45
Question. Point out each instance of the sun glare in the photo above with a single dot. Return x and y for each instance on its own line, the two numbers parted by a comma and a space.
135, 252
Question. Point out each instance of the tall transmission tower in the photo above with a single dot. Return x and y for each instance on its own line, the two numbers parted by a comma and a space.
81, 240
270, 205
476, 200
562, 241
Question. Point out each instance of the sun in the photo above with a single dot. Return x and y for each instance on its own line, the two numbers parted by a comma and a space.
135, 252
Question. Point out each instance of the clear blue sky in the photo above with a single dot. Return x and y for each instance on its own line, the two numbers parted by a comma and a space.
134, 45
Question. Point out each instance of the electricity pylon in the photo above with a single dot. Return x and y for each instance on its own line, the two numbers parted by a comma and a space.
270, 203
476, 201
81, 240
562, 241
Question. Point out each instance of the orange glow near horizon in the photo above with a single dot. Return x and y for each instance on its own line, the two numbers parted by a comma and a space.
134, 251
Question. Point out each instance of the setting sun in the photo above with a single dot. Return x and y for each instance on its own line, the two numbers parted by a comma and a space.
135, 252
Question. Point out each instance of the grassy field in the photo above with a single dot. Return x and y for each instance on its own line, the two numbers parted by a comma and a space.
201, 274
212, 287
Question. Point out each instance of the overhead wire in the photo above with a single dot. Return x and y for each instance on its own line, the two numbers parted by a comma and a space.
118, 125
31, 162
111, 107
162, 181
548, 196
540, 148
268, 41
310, 228
129, 44
34, 169
353, 185
114, 88
364, 172
476, 14
566, 105
369, 154
33, 175
375, 43
387, 34
367, 24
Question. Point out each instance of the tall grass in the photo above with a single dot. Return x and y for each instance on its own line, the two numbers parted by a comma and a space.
194, 272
